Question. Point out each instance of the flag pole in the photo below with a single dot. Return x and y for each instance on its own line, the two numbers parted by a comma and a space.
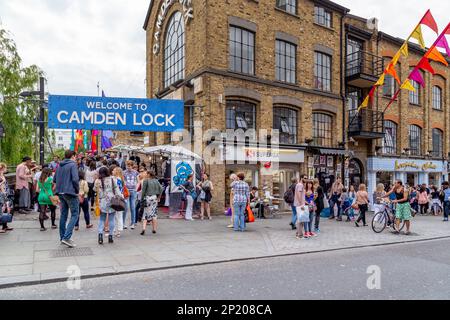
417, 66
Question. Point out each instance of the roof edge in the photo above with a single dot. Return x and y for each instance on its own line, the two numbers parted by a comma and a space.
147, 17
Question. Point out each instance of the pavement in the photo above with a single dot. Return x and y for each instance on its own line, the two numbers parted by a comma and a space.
403, 271
28, 256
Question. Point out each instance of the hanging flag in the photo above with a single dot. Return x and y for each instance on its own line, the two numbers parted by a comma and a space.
442, 43
417, 34
429, 21
85, 141
404, 50
424, 64
372, 92
396, 57
380, 81
391, 70
72, 141
94, 135
435, 55
365, 103
417, 77
408, 86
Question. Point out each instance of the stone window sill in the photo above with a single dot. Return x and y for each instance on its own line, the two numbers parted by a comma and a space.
324, 27
288, 13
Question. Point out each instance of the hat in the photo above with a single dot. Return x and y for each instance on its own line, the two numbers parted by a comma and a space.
25, 159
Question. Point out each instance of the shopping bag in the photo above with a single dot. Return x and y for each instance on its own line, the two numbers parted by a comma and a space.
249, 216
303, 214
326, 204
229, 213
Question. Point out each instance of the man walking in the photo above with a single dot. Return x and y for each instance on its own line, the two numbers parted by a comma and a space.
131, 181
68, 188
23, 176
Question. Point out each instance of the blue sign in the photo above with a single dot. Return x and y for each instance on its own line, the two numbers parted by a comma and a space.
116, 114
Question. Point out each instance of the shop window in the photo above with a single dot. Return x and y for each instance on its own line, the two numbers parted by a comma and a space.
437, 98
415, 140
285, 60
285, 120
322, 129
390, 138
386, 178
322, 16
353, 98
322, 71
287, 5
242, 50
174, 50
438, 149
240, 115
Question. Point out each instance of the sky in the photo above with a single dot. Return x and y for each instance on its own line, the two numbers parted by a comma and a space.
80, 43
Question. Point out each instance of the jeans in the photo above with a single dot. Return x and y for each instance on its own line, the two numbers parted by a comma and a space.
239, 216
119, 222
446, 209
317, 221
333, 201
131, 203
294, 215
189, 207
72, 203
310, 223
87, 217
101, 223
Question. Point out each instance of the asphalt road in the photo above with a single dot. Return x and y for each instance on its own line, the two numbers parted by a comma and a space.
406, 271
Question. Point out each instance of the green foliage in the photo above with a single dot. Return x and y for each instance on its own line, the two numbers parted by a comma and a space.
56, 152
16, 115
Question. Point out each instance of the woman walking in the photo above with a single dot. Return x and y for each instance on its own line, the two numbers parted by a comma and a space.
422, 198
118, 174
151, 194
309, 198
362, 200
84, 202
106, 188
206, 187
189, 190
5, 202
45, 190
91, 175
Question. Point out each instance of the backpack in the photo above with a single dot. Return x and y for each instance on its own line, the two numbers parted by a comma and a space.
289, 195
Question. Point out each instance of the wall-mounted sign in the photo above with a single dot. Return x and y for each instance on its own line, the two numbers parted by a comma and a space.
413, 165
116, 114
188, 14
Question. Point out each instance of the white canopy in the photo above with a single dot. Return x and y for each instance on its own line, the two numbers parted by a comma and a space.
173, 150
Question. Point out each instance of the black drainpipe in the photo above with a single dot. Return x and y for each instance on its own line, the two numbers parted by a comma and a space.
343, 95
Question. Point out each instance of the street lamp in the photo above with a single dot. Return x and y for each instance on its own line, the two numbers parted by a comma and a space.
41, 121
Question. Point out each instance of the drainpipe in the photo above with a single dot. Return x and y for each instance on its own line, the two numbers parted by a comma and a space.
343, 95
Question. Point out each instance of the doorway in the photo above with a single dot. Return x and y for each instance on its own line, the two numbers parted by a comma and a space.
355, 172
281, 183
412, 179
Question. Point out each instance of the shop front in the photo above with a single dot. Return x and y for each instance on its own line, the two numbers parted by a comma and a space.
326, 165
412, 172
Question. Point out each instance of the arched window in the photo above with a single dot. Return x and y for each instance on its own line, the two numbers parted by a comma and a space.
174, 50
322, 129
437, 98
415, 140
438, 148
285, 120
390, 137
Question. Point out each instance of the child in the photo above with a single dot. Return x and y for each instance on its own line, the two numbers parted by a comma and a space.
346, 203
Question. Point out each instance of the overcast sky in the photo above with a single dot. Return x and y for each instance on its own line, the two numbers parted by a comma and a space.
79, 43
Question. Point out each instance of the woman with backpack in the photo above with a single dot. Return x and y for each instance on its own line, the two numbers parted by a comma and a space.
45, 190
190, 193
106, 188
206, 188
289, 197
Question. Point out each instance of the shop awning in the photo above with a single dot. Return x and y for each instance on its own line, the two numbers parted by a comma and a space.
333, 152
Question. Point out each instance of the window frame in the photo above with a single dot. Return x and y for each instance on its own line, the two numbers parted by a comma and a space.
415, 132
436, 89
236, 54
415, 96
281, 73
174, 63
325, 127
285, 4
286, 112
231, 106
327, 23
440, 152
392, 148
321, 69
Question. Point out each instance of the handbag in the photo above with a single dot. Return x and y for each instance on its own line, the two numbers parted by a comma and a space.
54, 199
303, 213
326, 204
249, 216
229, 213
117, 202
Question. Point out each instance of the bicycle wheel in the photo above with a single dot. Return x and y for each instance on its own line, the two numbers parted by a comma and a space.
379, 222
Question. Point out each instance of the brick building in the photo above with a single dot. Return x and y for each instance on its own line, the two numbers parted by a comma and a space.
299, 66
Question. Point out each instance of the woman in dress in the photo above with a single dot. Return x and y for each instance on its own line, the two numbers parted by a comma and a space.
189, 188
151, 194
45, 189
206, 187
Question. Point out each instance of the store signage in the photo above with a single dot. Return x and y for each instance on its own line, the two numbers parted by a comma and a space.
116, 114
188, 14
413, 165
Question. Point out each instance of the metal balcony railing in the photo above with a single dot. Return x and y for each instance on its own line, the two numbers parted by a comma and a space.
368, 124
362, 62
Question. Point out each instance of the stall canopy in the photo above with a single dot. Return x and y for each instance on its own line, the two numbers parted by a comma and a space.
175, 151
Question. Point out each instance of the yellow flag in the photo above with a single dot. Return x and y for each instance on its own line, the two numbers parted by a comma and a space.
404, 50
408, 86
417, 34
365, 103
380, 81
396, 58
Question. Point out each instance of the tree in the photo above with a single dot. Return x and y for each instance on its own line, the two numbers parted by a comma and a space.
17, 116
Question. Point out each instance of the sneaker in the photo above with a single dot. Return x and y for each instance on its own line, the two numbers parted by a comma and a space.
230, 226
317, 230
69, 243
125, 228
132, 227
312, 234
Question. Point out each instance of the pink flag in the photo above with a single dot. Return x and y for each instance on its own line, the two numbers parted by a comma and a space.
444, 44
416, 76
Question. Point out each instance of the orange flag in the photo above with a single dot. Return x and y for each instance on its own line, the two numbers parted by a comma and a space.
435, 55
391, 70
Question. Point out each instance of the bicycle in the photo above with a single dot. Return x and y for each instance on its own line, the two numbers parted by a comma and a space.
386, 218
